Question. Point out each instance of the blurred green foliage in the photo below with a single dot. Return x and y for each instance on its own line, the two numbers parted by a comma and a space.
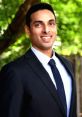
15, 50
8, 8
69, 21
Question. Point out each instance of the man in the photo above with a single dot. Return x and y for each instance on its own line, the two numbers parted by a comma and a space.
27, 85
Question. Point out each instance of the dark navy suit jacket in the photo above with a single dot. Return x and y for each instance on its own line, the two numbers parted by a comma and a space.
26, 89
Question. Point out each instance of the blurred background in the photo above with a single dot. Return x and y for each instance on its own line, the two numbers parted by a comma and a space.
14, 42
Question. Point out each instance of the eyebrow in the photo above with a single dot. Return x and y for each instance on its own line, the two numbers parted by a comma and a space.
37, 21
52, 20
40, 21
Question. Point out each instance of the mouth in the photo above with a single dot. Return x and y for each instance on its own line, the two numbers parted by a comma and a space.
46, 37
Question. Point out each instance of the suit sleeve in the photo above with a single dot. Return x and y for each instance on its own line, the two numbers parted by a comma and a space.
11, 93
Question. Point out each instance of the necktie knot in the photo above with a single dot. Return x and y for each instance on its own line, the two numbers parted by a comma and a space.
51, 63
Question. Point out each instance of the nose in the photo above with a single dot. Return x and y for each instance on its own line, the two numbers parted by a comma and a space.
46, 29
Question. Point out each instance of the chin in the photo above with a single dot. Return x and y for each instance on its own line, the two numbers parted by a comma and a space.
47, 48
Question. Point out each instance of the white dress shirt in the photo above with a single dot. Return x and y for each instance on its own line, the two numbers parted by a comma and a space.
44, 59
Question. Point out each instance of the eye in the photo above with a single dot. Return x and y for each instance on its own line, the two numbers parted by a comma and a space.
38, 24
52, 22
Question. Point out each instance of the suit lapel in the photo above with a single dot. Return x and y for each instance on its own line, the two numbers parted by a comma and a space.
44, 77
66, 65
69, 70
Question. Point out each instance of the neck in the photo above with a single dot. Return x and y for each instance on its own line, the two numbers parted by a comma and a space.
48, 52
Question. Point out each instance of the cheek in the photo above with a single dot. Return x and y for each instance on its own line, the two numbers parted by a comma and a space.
34, 35
36, 30
55, 33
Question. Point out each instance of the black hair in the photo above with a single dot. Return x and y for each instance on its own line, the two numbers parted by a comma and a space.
36, 7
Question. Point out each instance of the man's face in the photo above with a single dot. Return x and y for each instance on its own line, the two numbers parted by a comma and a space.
42, 30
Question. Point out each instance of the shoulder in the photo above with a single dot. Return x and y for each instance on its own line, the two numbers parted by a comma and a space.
13, 64
17, 63
63, 58
65, 61
12, 68
18, 66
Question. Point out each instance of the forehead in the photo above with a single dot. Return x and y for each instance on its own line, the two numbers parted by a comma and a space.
42, 15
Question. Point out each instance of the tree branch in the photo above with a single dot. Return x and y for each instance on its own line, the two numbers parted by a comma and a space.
16, 27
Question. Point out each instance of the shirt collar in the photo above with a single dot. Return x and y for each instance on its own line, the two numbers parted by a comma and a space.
44, 59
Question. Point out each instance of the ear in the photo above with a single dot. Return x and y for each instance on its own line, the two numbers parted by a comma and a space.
27, 30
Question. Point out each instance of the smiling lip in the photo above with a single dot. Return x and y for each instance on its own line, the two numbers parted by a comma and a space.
46, 37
